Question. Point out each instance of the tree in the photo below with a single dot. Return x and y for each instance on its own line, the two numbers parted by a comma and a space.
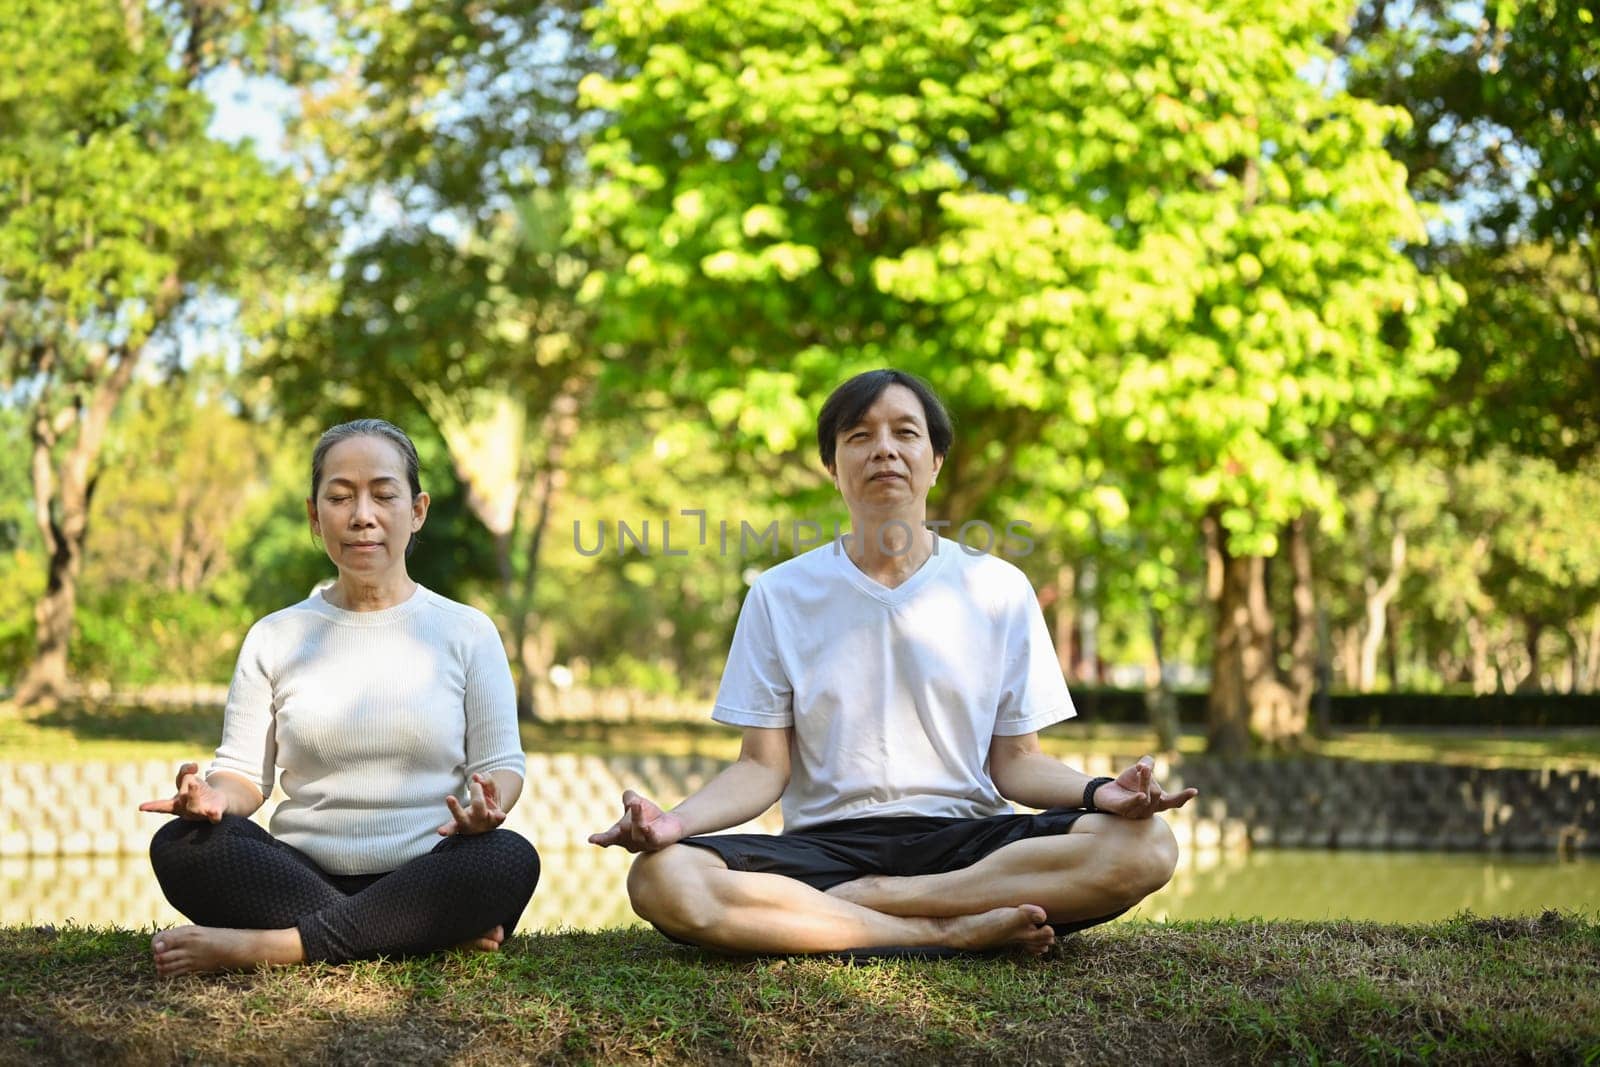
1132, 237
451, 131
1505, 97
120, 217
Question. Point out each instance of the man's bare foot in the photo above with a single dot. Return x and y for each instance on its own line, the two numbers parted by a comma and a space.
202, 949
864, 891
489, 942
1022, 927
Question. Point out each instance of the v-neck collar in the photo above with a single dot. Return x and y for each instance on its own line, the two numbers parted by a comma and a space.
906, 589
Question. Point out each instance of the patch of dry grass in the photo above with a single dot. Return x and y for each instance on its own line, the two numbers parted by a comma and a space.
1464, 991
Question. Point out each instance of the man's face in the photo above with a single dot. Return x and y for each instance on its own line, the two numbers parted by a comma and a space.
886, 462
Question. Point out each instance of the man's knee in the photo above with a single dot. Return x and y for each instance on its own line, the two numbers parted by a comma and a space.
668, 888
1143, 856
1164, 851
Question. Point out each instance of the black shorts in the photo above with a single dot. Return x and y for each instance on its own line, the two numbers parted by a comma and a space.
899, 846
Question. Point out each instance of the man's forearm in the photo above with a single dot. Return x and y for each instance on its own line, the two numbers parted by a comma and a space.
740, 793
1038, 780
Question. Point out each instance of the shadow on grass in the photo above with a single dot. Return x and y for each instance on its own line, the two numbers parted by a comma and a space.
1468, 990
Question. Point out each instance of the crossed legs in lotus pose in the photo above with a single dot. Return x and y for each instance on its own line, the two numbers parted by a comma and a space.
1103, 866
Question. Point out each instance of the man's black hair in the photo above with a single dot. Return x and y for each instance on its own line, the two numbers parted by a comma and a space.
848, 405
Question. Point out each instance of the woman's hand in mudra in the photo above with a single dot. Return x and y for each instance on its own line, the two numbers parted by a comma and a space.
196, 799
482, 812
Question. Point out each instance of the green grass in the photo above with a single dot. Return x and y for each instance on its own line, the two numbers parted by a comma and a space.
81, 732
1464, 991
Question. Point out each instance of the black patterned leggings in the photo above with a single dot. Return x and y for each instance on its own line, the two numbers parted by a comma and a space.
235, 874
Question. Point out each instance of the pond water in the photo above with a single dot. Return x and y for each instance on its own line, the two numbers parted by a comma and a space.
583, 888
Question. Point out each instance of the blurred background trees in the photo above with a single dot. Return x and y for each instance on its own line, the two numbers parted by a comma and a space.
1276, 323
124, 221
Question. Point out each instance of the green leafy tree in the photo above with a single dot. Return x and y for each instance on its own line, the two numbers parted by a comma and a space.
1135, 234
1542, 564
448, 134
1505, 97
119, 217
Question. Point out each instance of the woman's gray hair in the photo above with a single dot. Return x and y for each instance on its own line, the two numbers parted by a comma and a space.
384, 431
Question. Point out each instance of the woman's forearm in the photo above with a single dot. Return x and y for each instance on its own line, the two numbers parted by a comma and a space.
508, 787
244, 797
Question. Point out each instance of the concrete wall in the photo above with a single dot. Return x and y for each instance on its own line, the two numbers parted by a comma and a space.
1325, 803
72, 840
91, 809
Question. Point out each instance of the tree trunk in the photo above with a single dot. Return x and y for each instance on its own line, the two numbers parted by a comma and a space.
1227, 714
1246, 695
1087, 669
1586, 652
1348, 652
1391, 645
1303, 639
1322, 691
533, 656
1568, 683
1510, 655
1378, 596
1160, 703
1533, 630
1066, 616
63, 493
1478, 642
45, 682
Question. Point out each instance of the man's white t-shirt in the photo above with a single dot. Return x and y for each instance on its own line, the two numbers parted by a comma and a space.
893, 694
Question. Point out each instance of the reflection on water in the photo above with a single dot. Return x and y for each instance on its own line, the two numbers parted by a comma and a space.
1395, 887
583, 888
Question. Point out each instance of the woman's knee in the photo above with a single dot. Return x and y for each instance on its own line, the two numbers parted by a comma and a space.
513, 854
520, 854
192, 836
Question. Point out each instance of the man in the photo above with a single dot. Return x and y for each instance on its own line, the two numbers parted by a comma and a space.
891, 687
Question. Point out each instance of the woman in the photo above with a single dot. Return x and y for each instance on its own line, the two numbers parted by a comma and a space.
387, 708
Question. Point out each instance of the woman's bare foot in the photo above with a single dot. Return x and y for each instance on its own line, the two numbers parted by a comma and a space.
202, 949
1022, 927
489, 942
